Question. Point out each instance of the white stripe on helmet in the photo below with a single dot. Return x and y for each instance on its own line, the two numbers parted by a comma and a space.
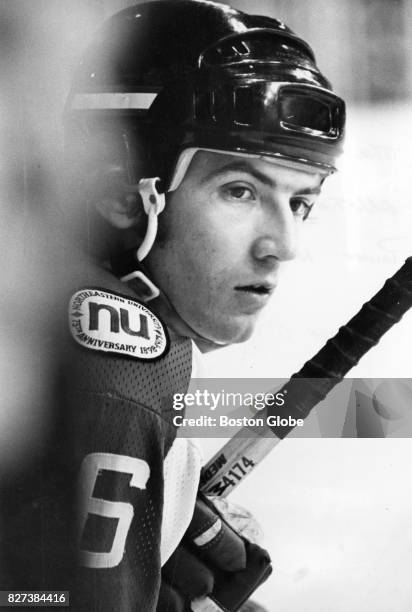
116, 101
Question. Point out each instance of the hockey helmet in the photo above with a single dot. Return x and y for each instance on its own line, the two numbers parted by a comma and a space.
167, 78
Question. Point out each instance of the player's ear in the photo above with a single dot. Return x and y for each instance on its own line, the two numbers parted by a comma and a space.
118, 202
117, 212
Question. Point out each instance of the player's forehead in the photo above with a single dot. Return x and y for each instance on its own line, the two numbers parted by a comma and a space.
209, 167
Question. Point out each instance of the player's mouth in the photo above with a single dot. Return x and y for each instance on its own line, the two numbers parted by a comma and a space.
254, 296
257, 289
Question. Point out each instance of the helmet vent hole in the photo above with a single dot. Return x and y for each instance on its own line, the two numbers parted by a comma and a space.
240, 48
243, 105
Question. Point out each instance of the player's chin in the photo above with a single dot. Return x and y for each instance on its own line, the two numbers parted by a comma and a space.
235, 330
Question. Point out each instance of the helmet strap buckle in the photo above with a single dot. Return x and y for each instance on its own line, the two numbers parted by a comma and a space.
141, 285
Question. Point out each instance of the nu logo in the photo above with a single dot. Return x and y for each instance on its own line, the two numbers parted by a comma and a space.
116, 320
109, 322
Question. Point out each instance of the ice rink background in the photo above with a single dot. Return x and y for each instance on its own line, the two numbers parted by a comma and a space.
336, 513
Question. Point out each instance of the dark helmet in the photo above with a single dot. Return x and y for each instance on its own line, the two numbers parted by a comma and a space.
180, 75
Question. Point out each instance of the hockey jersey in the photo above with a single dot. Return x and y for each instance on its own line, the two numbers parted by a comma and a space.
87, 517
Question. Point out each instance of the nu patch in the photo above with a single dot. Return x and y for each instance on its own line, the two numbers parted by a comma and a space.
113, 323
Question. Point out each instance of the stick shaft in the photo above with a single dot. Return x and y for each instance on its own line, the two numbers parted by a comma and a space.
313, 382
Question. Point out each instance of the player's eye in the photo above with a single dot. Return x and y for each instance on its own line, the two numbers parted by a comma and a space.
301, 207
240, 193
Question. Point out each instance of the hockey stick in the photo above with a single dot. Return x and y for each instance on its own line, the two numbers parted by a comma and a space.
312, 383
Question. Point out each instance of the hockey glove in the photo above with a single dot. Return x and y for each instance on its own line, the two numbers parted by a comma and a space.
215, 568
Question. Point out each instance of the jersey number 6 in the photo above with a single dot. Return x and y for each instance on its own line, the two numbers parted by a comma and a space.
91, 467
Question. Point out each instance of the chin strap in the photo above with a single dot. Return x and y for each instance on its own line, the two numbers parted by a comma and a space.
127, 266
141, 285
153, 203
130, 271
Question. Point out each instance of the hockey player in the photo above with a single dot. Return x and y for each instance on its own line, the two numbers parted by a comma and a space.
198, 139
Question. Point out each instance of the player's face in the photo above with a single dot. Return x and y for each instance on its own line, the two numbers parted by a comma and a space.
229, 226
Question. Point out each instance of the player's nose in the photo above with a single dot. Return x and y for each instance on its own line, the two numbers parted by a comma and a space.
278, 236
